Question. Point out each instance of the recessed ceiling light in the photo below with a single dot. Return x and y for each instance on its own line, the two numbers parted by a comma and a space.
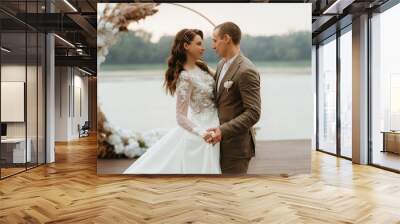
5, 49
338, 6
64, 40
70, 5
86, 72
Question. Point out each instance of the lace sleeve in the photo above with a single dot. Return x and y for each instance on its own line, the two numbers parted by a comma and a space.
184, 89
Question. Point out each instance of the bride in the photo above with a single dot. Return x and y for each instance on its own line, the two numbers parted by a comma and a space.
183, 149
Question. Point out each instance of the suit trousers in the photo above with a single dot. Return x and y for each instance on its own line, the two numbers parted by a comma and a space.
235, 165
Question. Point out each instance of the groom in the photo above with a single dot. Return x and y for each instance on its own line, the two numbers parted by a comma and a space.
238, 101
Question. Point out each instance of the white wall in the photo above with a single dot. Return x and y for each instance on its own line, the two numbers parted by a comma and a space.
12, 73
61, 103
81, 84
70, 83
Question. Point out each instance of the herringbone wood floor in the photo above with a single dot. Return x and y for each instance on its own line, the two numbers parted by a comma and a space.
272, 157
69, 191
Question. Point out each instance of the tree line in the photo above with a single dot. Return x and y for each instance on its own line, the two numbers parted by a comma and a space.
137, 48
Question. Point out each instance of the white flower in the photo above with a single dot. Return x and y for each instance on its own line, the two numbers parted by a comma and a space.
115, 30
228, 84
100, 41
133, 143
119, 148
111, 18
139, 151
125, 134
101, 60
108, 26
133, 150
105, 51
130, 153
108, 127
114, 139
100, 24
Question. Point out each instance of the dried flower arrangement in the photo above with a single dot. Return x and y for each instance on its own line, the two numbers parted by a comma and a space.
114, 142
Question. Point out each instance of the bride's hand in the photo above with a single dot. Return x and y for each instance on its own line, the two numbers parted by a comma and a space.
216, 135
208, 136
212, 71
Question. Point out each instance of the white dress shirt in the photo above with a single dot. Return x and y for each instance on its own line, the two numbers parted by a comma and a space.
224, 69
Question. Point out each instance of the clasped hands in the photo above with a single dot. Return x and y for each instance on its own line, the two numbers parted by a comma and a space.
212, 136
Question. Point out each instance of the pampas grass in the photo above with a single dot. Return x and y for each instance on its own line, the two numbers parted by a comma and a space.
114, 142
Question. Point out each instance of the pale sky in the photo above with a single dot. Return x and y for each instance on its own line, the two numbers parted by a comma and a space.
253, 18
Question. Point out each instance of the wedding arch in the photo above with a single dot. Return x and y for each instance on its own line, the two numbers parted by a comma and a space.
112, 21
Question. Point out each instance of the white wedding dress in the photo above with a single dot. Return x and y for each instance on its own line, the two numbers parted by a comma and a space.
183, 150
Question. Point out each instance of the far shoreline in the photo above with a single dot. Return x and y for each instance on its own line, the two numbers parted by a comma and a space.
149, 66
153, 70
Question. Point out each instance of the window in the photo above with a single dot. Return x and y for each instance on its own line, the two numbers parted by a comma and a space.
385, 89
327, 96
346, 94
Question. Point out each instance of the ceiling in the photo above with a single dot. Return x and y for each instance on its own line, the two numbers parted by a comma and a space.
73, 21
76, 23
331, 15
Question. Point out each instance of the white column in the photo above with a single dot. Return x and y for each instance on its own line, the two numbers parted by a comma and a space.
314, 93
50, 92
50, 99
360, 90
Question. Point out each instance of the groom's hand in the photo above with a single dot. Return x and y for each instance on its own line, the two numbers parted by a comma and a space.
208, 136
216, 137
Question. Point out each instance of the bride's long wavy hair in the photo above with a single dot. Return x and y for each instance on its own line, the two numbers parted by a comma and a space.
178, 57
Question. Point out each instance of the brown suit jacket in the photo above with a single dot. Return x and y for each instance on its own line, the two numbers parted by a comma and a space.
239, 108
